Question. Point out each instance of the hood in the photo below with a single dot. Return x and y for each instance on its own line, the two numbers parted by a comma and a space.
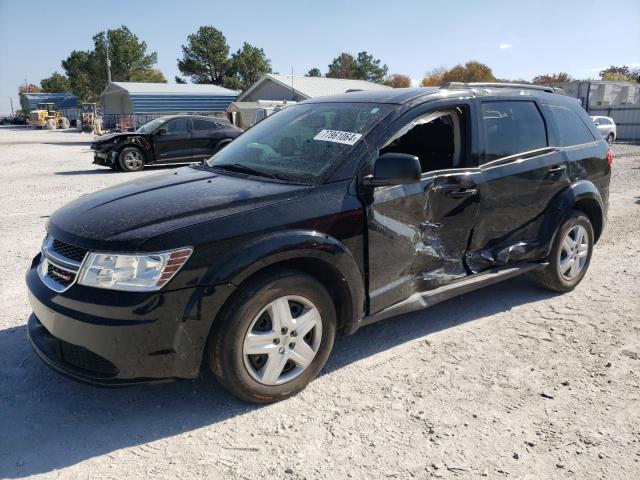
123, 217
111, 136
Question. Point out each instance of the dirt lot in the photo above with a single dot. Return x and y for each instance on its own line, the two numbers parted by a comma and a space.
507, 382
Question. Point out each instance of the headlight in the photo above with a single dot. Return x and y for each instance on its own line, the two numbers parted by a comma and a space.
135, 272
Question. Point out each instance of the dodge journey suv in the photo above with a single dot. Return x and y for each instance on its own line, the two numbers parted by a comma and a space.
328, 215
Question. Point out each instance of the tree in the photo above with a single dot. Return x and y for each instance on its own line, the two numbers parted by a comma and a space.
76, 66
397, 80
551, 78
472, 71
153, 75
369, 68
434, 77
180, 80
364, 67
30, 88
622, 73
343, 66
205, 57
130, 62
314, 72
55, 83
248, 64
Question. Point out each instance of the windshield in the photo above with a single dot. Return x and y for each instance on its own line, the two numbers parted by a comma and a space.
151, 126
300, 143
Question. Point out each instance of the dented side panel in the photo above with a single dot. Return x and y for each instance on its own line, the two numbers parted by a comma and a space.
418, 235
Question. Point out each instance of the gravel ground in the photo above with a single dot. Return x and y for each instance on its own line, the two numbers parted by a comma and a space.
507, 382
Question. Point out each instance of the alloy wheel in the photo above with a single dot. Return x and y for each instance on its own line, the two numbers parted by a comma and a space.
133, 160
574, 251
282, 340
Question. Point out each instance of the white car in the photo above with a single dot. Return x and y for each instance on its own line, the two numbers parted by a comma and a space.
607, 127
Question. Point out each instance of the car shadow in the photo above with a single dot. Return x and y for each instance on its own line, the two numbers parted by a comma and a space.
69, 143
51, 422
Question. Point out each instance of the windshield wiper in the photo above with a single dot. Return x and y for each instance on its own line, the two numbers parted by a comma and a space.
237, 167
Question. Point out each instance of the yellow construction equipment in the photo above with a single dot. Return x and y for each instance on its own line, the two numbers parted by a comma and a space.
46, 116
90, 120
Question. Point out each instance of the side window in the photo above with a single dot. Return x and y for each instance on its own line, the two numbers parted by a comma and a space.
435, 138
605, 121
179, 125
511, 128
199, 125
571, 129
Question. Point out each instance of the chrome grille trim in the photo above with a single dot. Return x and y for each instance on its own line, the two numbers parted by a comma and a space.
53, 258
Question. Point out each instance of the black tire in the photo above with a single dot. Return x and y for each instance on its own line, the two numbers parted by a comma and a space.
551, 277
224, 353
610, 139
125, 159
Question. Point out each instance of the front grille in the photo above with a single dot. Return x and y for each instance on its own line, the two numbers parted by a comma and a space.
61, 276
69, 251
85, 359
60, 264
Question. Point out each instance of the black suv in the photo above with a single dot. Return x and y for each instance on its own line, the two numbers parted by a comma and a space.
328, 215
168, 139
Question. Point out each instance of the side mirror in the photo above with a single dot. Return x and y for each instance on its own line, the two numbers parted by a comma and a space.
161, 131
394, 169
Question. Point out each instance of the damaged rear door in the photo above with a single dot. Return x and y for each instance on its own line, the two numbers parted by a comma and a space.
523, 173
418, 234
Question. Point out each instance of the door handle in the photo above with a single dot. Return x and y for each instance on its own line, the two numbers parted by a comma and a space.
461, 192
557, 169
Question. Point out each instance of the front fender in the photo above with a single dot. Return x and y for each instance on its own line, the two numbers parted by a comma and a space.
285, 246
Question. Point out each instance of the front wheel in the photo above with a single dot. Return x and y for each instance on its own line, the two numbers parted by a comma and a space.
131, 159
570, 255
610, 139
273, 338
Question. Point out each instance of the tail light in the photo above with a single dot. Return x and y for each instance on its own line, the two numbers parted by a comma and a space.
610, 158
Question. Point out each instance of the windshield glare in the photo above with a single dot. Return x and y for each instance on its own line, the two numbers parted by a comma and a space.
301, 143
151, 126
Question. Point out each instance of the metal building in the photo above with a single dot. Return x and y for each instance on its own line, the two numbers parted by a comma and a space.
62, 101
281, 90
618, 100
285, 87
127, 98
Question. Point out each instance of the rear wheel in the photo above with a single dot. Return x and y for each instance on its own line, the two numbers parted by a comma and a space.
64, 123
570, 255
610, 139
273, 338
131, 159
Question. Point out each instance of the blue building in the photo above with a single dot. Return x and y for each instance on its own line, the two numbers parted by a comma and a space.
62, 101
131, 98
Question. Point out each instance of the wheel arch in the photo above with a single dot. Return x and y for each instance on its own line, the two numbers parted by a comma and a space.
587, 199
320, 256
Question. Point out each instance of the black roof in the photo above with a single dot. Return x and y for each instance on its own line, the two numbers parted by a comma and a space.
402, 95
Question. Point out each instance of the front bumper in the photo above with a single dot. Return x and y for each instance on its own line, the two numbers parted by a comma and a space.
104, 158
111, 337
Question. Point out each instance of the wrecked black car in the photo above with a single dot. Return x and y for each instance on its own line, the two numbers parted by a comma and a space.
169, 139
327, 216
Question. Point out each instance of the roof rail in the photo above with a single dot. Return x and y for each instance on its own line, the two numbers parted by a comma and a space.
542, 88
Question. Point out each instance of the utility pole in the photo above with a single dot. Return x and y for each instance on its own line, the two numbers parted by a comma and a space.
11, 102
293, 92
108, 64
